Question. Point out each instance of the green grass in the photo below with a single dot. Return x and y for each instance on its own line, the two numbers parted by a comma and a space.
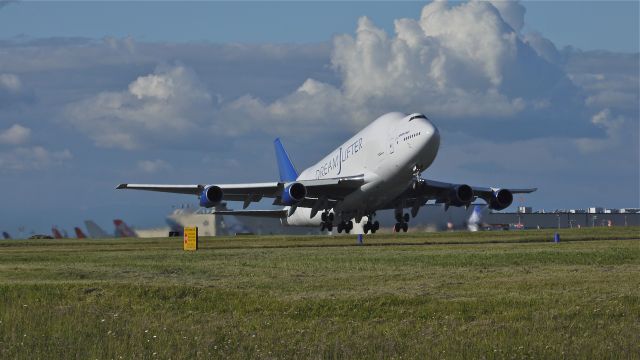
511, 294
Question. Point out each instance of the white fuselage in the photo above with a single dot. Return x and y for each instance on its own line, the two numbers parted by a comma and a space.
387, 152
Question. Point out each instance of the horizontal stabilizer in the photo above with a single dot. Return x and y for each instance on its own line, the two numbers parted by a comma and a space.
522, 191
278, 214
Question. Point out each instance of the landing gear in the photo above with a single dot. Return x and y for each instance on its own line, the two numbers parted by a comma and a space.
327, 221
402, 222
370, 226
347, 226
401, 227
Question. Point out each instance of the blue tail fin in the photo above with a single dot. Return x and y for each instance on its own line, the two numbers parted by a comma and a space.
287, 171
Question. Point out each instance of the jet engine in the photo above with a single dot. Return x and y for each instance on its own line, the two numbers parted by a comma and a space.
211, 196
293, 193
460, 195
302, 217
501, 199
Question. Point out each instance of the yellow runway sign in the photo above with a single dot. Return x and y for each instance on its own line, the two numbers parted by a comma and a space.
191, 238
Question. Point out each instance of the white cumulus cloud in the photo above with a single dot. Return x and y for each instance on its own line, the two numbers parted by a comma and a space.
612, 126
31, 158
153, 166
15, 135
160, 86
168, 103
466, 60
512, 13
11, 82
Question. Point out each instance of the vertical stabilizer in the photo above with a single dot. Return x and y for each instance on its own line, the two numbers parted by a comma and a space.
285, 166
473, 224
56, 233
95, 231
79, 233
123, 230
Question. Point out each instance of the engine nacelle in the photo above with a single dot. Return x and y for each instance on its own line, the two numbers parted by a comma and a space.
501, 199
460, 195
211, 196
302, 217
293, 193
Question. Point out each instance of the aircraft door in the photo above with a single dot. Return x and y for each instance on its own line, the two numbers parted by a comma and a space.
392, 141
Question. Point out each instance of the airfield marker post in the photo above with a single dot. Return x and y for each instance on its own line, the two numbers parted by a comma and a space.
190, 238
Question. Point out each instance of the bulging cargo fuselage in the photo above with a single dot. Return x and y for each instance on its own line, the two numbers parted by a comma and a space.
389, 152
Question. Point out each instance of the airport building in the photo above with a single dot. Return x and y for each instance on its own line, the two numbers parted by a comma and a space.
563, 219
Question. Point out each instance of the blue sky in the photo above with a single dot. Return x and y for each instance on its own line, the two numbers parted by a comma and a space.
588, 25
97, 93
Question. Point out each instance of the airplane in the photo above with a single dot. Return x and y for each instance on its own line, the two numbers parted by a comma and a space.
473, 224
123, 230
79, 233
95, 231
56, 233
6, 235
378, 168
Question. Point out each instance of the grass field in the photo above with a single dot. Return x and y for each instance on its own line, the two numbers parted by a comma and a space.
511, 294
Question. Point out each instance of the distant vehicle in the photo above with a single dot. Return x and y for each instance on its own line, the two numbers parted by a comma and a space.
40, 236
95, 231
56, 233
79, 233
6, 235
378, 168
123, 230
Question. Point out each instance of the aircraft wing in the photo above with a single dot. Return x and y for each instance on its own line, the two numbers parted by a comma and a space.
442, 192
233, 192
438, 188
331, 190
177, 189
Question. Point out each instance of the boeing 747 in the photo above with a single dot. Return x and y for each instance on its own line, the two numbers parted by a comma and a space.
378, 168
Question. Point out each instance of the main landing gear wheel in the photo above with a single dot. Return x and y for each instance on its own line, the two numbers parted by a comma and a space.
347, 226
327, 221
402, 223
401, 226
371, 227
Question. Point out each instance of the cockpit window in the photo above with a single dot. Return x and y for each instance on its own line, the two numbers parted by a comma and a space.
418, 117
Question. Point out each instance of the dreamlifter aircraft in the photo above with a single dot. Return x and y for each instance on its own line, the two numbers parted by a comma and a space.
378, 168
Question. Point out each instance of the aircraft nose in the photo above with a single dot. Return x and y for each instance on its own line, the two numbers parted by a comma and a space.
428, 128
432, 135
431, 142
